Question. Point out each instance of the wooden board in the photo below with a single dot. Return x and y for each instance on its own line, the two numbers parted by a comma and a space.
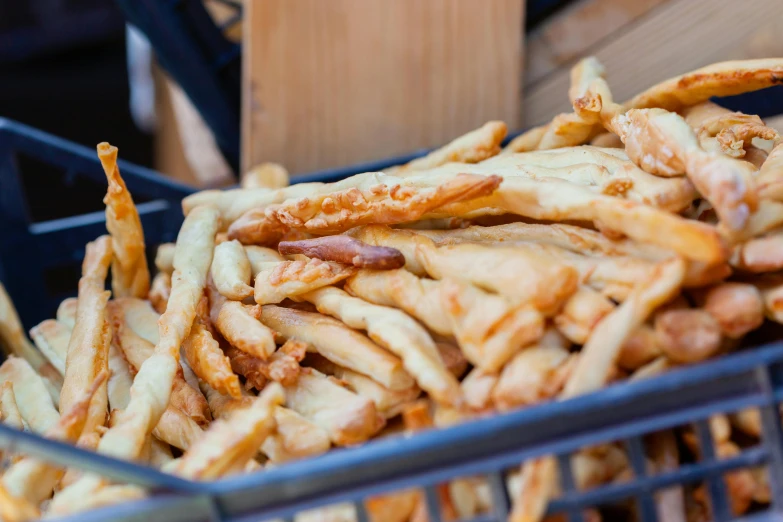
673, 38
332, 83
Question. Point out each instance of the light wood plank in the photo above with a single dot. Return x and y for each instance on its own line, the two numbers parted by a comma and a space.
333, 83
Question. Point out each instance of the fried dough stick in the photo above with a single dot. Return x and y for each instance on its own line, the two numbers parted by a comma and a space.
347, 417
52, 337
187, 408
14, 341
151, 388
160, 291
29, 389
758, 255
296, 437
338, 343
380, 198
662, 143
15, 509
33, 479
66, 312
229, 444
729, 132
231, 204
266, 175
286, 279
609, 171
532, 376
468, 263
387, 402
346, 250
489, 328
130, 276
231, 271
591, 371
473, 147
716, 80
565, 129
576, 239
558, 200
88, 348
9, 410
209, 362
164, 257
581, 313
282, 366
397, 332
240, 326
769, 180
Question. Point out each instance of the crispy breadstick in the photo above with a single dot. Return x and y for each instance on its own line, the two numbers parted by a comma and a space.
15, 509
763, 254
33, 401
89, 343
240, 326
398, 333
140, 317
130, 276
639, 349
723, 181
51, 337
151, 388
488, 328
553, 284
719, 79
655, 367
9, 410
265, 175
338, 343
387, 402
607, 140
769, 180
401, 289
14, 341
581, 313
556, 199
66, 312
346, 250
295, 438
231, 204
259, 256
282, 366
232, 442
592, 369
528, 378
164, 257
137, 350
209, 362
379, 198
477, 389
608, 171
120, 378
231, 271
731, 131
160, 291
255, 227
527, 141
34, 479
687, 336
107, 496
473, 147
737, 307
285, 279
347, 417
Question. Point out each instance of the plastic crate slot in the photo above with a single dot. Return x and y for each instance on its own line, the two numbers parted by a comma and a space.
361, 511
500, 500
433, 503
645, 502
568, 484
772, 435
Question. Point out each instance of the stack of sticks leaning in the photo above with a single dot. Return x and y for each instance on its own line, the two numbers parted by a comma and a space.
616, 242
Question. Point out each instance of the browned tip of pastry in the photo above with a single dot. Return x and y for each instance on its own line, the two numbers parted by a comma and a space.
474, 189
346, 250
